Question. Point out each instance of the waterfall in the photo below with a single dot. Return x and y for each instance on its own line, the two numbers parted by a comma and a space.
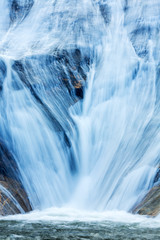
79, 99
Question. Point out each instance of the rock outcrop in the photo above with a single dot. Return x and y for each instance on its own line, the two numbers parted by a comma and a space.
150, 205
66, 75
13, 198
19, 10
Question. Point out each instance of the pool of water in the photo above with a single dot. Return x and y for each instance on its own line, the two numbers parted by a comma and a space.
71, 224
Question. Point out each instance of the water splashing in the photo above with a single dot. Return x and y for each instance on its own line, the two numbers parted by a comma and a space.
80, 101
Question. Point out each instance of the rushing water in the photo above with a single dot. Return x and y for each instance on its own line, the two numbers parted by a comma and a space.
73, 224
92, 146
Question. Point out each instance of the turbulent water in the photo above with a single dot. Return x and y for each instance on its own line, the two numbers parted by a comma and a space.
79, 101
72, 224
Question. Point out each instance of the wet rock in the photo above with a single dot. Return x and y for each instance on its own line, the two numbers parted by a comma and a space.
13, 198
139, 38
158, 85
3, 72
126, 6
142, 25
19, 9
64, 67
150, 205
8, 166
56, 80
77, 65
105, 12
53, 79
157, 177
28, 81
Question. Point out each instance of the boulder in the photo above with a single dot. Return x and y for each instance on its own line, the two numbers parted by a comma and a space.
66, 70
150, 205
2, 73
105, 12
13, 197
54, 79
64, 80
19, 9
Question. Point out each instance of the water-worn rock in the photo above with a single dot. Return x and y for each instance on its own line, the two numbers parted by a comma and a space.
13, 198
65, 68
2, 73
105, 12
65, 79
53, 79
142, 25
20, 9
150, 205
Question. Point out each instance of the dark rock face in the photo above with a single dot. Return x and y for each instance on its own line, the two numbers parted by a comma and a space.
55, 80
158, 85
3, 72
77, 65
136, 37
150, 205
142, 25
19, 9
69, 66
8, 166
105, 12
13, 198
157, 177
64, 81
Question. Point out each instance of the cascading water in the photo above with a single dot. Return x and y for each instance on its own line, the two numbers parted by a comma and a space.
100, 152
118, 109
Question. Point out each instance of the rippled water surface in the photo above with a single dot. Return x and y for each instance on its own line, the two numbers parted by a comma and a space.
80, 113
70, 224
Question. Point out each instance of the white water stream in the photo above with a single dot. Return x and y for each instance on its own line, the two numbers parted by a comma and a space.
113, 152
